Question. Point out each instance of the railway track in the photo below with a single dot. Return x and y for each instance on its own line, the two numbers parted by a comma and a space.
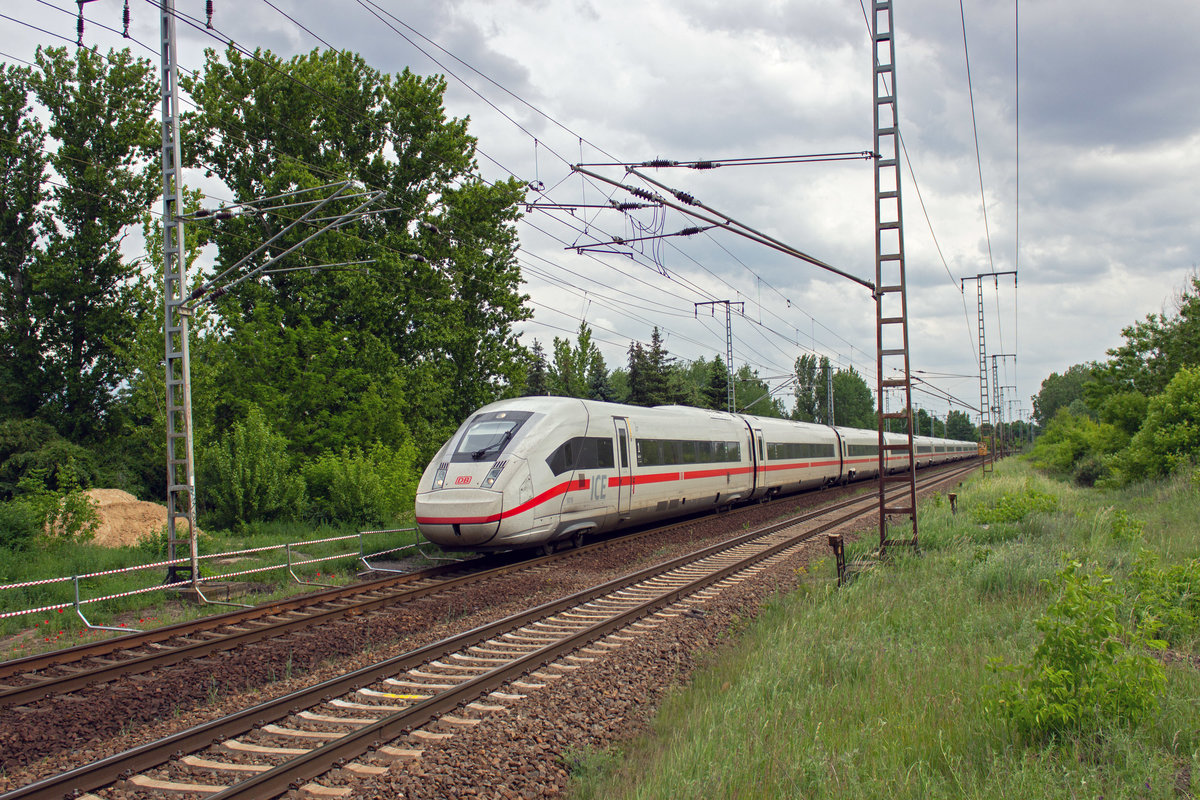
61, 672
341, 730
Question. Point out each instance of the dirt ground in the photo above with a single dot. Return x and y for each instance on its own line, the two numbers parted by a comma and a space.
125, 520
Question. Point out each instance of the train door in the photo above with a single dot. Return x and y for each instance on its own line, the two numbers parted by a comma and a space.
758, 457
624, 471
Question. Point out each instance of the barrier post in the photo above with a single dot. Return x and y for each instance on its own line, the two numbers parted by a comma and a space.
90, 626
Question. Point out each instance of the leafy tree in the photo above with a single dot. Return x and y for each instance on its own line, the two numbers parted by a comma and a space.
853, 402
959, 426
101, 112
576, 367
812, 394
1155, 349
1059, 391
247, 476
22, 171
1071, 439
754, 395
426, 329
1170, 436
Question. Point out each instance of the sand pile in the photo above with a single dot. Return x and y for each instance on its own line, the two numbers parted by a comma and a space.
125, 520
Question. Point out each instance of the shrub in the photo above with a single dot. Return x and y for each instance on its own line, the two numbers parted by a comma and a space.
1169, 596
37, 513
1071, 438
1014, 506
1170, 436
247, 476
369, 486
1089, 669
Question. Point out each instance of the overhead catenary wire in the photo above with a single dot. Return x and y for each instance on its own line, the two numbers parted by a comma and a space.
765, 310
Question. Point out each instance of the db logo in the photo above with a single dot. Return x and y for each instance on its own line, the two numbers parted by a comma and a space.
462, 480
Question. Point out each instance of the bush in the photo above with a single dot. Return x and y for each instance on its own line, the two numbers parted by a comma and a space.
28, 446
247, 476
1071, 438
1089, 670
369, 486
1014, 506
1168, 596
37, 513
1170, 436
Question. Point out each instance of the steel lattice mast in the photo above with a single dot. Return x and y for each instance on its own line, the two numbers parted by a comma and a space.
891, 302
181, 481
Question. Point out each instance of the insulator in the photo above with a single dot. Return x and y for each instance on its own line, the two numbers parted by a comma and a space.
429, 226
626, 206
637, 191
705, 165
690, 231
618, 240
684, 197
224, 215
79, 27
660, 162
202, 212
125, 17
208, 9
536, 186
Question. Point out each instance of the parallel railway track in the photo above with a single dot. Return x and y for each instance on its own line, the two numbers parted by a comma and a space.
348, 721
61, 672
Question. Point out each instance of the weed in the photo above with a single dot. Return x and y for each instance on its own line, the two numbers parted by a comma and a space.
1089, 670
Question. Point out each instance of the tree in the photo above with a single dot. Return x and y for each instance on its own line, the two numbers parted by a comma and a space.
812, 395
577, 368
1059, 391
426, 329
537, 381
959, 426
101, 112
754, 395
716, 391
853, 403
22, 170
650, 372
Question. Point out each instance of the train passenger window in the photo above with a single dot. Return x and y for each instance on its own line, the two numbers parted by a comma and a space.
582, 452
687, 452
624, 449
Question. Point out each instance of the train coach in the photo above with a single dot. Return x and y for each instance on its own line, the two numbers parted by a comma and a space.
534, 471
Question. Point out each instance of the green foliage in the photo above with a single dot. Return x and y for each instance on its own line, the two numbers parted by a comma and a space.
424, 334
101, 113
1089, 670
366, 486
578, 370
853, 401
1059, 391
1168, 595
650, 372
247, 476
1071, 439
959, 426
22, 172
812, 392
753, 394
65, 515
28, 446
1014, 506
1170, 436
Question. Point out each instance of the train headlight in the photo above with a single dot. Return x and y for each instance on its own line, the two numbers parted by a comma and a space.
439, 477
493, 474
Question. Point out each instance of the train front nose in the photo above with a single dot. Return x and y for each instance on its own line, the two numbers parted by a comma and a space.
459, 517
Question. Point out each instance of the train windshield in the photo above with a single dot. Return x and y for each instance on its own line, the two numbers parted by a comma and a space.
488, 435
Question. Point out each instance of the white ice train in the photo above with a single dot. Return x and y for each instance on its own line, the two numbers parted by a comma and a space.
537, 470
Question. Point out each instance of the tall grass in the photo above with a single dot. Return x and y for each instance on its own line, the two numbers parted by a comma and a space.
880, 689
59, 628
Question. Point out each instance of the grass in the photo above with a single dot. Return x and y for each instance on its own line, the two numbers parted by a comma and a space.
881, 688
29, 634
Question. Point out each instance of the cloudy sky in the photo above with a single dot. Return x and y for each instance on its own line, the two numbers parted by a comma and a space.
1102, 231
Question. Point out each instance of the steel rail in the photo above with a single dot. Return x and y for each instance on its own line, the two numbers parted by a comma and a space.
114, 768
304, 604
